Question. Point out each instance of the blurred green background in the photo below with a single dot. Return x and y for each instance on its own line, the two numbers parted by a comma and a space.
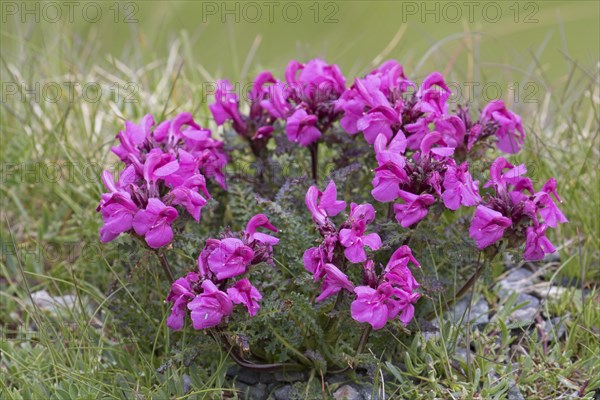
352, 33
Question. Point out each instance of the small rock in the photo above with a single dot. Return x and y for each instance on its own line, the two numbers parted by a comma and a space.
244, 375
347, 392
514, 393
337, 378
290, 376
283, 393
186, 382
515, 281
528, 312
552, 257
258, 392
552, 292
45, 301
555, 328
367, 393
251, 392
461, 354
478, 315
431, 335
508, 260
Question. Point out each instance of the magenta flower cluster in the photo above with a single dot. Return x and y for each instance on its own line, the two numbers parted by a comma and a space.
515, 210
422, 150
305, 100
207, 294
381, 103
167, 165
421, 146
381, 297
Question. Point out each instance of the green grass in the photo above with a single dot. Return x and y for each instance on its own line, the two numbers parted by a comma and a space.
49, 226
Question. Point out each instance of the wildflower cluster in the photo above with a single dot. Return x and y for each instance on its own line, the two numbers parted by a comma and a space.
166, 166
382, 296
514, 210
423, 156
207, 293
305, 101
380, 103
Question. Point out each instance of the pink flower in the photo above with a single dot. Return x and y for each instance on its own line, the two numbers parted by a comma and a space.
403, 255
397, 273
537, 244
117, 207
301, 128
374, 104
415, 208
335, 280
500, 179
226, 106
441, 149
323, 204
354, 239
406, 301
133, 137
377, 306
388, 178
459, 187
453, 130
260, 221
155, 223
187, 195
203, 266
433, 95
244, 293
180, 295
378, 121
547, 207
209, 308
277, 104
158, 166
229, 258
314, 88
401, 276
374, 306
392, 151
487, 226
317, 80
510, 130
118, 213
314, 262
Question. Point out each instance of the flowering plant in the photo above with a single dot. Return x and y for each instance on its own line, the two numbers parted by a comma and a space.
424, 164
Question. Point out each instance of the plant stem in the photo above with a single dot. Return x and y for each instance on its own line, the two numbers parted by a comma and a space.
464, 289
364, 338
338, 300
239, 360
165, 265
362, 343
314, 155
390, 215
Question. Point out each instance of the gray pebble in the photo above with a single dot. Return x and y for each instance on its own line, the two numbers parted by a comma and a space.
283, 393
347, 392
479, 311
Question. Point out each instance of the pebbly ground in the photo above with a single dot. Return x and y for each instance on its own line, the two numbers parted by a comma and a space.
530, 290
